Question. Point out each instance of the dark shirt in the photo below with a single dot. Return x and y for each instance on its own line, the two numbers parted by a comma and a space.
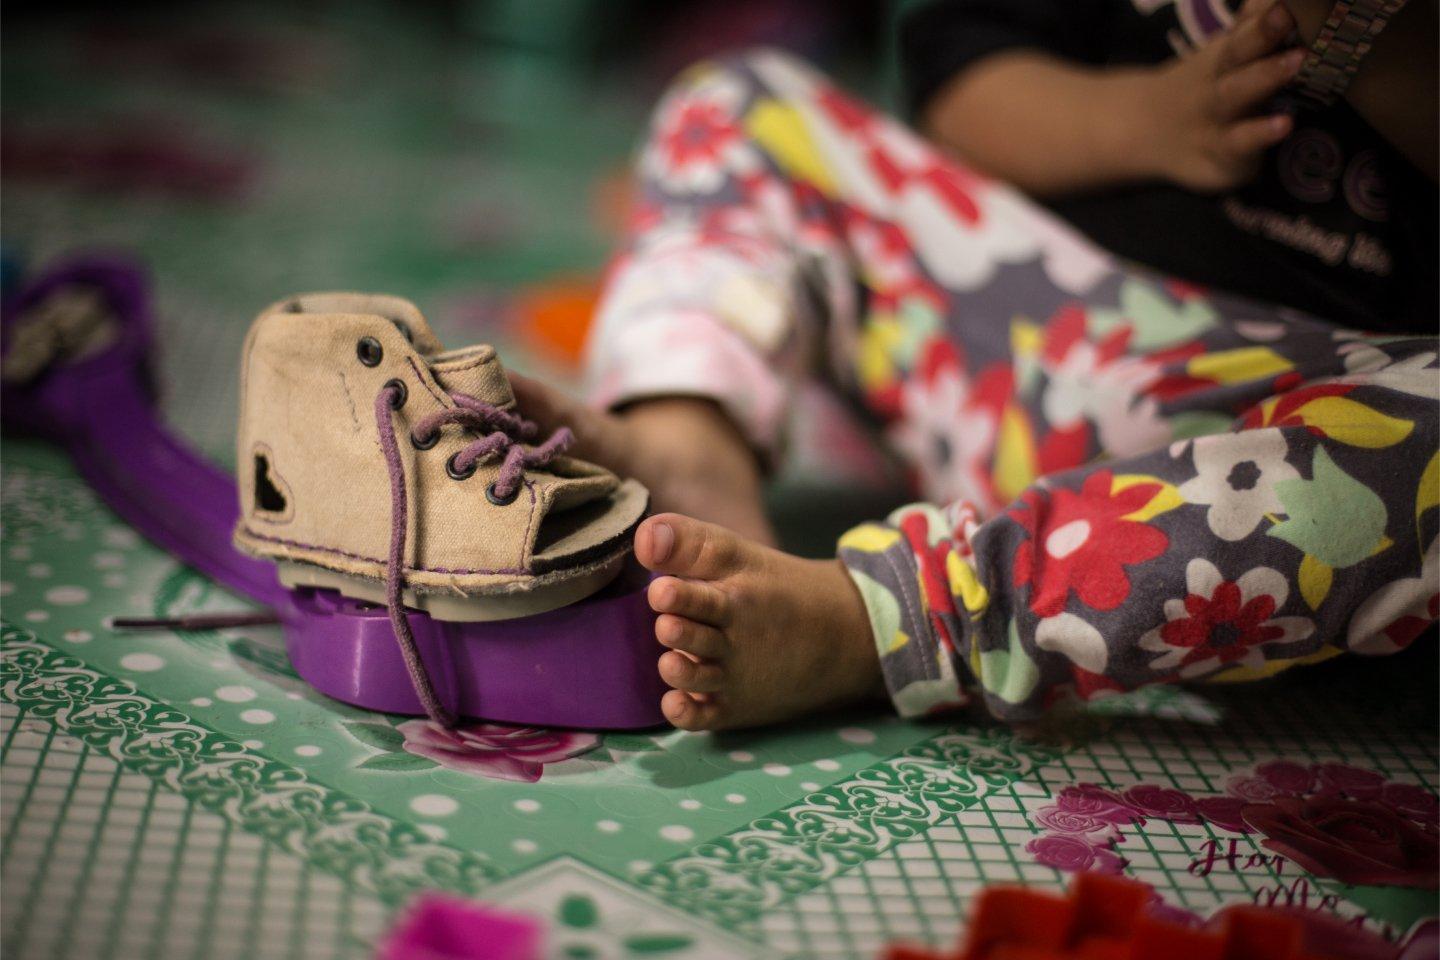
1336, 224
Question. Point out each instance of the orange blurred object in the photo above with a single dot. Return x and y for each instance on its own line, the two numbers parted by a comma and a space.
553, 318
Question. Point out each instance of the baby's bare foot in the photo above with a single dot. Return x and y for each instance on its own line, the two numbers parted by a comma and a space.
755, 635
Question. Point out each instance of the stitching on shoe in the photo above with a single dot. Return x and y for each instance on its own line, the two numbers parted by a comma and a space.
349, 401
469, 366
527, 543
445, 401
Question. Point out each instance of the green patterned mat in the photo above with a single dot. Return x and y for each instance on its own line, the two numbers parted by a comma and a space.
186, 796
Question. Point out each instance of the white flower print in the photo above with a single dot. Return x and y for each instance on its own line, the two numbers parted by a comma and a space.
946, 439
1084, 384
1416, 375
1223, 623
1068, 634
1391, 618
1237, 477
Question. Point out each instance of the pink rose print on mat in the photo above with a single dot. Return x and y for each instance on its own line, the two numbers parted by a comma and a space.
1353, 841
1330, 819
1081, 828
1064, 852
490, 750
1287, 776
1097, 802
1227, 813
1162, 804
1339, 780
1413, 801
480, 749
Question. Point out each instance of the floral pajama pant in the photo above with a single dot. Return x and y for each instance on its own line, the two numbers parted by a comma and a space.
1130, 479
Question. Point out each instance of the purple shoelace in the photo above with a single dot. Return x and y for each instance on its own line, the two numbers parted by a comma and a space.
502, 433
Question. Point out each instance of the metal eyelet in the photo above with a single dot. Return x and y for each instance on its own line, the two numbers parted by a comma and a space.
425, 442
456, 474
369, 351
402, 393
498, 500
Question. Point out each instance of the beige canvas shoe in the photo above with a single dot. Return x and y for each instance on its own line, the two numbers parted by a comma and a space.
375, 462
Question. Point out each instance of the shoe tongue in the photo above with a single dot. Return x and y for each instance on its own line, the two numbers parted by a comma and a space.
475, 371
397, 310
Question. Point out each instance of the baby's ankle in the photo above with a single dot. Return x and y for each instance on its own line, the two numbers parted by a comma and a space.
858, 655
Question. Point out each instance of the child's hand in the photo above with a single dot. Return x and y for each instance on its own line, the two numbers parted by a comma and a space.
599, 437
686, 450
1206, 131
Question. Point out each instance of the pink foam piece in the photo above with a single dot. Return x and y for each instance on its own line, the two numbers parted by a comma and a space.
442, 927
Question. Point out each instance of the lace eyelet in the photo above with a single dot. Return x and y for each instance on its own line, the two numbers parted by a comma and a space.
498, 500
369, 351
456, 474
425, 442
402, 393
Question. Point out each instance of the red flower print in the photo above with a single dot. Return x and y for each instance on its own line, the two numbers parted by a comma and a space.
1284, 410
698, 133
1079, 541
1175, 380
1063, 449
1222, 622
1220, 627
847, 114
698, 143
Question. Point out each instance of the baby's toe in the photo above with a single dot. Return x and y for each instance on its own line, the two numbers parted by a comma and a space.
678, 633
688, 713
683, 673
673, 543
694, 600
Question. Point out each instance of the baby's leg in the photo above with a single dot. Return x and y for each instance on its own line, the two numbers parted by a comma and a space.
1308, 531
1039, 387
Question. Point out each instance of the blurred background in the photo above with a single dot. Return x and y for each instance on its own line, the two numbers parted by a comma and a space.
472, 155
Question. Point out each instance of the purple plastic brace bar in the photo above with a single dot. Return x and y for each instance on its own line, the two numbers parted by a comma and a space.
591, 664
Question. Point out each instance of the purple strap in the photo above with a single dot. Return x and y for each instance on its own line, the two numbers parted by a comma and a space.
506, 430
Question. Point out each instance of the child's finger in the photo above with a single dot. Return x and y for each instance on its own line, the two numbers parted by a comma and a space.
1254, 37
1253, 8
1249, 137
541, 403
1240, 91
597, 436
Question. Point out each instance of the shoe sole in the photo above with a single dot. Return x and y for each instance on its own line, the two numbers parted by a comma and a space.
464, 609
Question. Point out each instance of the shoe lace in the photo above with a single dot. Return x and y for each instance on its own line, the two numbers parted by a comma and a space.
501, 435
